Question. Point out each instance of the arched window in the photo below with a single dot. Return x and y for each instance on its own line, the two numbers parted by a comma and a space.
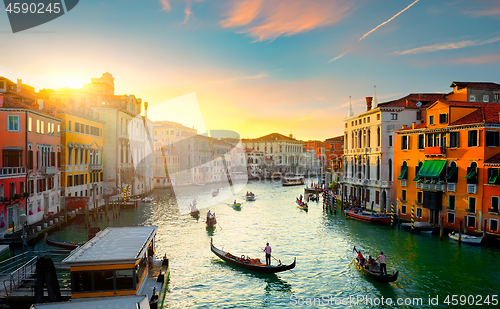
378, 168
452, 174
1, 192
378, 136
368, 168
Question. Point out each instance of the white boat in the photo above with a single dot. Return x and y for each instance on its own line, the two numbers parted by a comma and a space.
147, 199
467, 239
117, 262
250, 197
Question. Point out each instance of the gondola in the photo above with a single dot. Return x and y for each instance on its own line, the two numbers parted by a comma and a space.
365, 216
215, 193
211, 222
255, 266
373, 271
302, 205
62, 244
237, 206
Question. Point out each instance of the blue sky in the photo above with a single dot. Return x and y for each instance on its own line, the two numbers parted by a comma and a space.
257, 66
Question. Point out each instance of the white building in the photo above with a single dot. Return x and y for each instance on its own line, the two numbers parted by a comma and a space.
281, 153
369, 148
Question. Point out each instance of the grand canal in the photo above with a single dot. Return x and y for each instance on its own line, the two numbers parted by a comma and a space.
322, 244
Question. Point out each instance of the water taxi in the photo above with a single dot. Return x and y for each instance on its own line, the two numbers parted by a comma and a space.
293, 180
119, 262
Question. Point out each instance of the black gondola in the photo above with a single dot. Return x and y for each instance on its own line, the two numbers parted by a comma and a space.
261, 268
374, 271
62, 244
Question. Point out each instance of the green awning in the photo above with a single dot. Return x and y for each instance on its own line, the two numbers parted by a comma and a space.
431, 169
493, 177
452, 172
404, 169
471, 173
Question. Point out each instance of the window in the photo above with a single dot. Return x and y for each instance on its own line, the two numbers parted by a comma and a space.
494, 225
472, 205
69, 125
492, 138
13, 123
37, 126
403, 209
420, 141
403, 196
394, 116
431, 120
471, 221
472, 98
390, 140
58, 129
443, 118
420, 195
29, 124
430, 140
377, 197
454, 139
494, 204
451, 202
419, 212
41, 126
493, 176
450, 218
378, 116
87, 129
486, 98
497, 97
405, 141
473, 138
368, 119
77, 127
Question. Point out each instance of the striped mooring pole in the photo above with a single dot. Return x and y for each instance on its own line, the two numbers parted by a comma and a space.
124, 194
412, 217
324, 199
335, 202
128, 189
392, 214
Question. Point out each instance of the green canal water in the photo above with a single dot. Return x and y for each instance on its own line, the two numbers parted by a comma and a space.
324, 276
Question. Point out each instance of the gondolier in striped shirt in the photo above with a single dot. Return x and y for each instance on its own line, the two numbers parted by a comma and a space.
267, 249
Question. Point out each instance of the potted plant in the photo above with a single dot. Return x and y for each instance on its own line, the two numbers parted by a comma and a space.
449, 207
17, 196
433, 181
26, 194
467, 209
441, 182
492, 210
420, 181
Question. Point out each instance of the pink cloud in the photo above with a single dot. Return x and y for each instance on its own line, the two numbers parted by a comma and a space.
477, 60
166, 5
267, 20
484, 8
188, 12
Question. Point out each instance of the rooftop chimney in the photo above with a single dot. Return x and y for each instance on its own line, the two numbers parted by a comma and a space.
413, 125
19, 85
40, 104
146, 110
369, 103
291, 135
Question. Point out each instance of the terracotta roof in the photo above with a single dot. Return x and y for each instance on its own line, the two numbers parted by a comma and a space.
476, 85
493, 160
271, 137
411, 100
335, 139
252, 150
18, 104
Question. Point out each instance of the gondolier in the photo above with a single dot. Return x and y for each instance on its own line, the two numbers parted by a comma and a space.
267, 249
383, 265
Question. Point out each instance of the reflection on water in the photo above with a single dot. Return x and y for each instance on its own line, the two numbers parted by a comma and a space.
321, 242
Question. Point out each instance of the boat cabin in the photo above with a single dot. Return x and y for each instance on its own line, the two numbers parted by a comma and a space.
116, 262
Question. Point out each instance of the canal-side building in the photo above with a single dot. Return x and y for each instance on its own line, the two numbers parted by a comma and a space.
222, 159
281, 153
82, 158
474, 92
447, 167
318, 162
31, 146
166, 166
255, 162
369, 148
334, 151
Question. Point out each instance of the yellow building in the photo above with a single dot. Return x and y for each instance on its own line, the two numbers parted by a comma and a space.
81, 159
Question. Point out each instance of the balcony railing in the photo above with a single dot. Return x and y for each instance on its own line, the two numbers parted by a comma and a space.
12, 171
49, 170
419, 185
452, 187
95, 167
471, 188
404, 182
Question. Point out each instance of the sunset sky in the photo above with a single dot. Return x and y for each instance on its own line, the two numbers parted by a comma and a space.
261, 66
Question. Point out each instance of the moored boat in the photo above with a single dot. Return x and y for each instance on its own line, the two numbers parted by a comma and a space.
467, 239
292, 180
62, 244
373, 270
250, 264
147, 199
118, 261
366, 216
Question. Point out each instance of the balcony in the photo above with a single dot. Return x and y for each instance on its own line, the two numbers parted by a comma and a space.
452, 187
404, 182
49, 170
435, 151
471, 188
95, 167
419, 185
12, 171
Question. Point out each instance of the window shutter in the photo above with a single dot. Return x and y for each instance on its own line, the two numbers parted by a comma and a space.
478, 137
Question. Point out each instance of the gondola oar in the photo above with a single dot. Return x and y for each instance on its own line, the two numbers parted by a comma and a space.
217, 222
279, 261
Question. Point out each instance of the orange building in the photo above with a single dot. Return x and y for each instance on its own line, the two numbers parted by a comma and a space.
447, 167
334, 150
